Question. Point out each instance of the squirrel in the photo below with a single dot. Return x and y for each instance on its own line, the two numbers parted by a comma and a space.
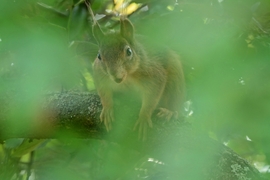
124, 62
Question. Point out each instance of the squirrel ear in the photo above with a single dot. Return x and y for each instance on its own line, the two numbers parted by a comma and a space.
126, 29
97, 32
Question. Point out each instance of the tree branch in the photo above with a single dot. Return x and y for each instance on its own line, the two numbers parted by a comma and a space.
176, 143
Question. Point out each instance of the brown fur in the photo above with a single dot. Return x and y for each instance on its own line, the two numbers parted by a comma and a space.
157, 76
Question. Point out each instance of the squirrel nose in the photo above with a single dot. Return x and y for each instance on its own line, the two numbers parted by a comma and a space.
118, 80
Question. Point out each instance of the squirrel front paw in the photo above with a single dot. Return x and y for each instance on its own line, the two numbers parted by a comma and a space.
107, 117
142, 125
167, 114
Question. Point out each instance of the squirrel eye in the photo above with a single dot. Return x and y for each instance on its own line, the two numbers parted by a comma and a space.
98, 56
128, 52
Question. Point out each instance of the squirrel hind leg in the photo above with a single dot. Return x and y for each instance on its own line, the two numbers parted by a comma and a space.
167, 114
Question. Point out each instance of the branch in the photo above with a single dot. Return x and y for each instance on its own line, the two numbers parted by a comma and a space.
74, 112
186, 151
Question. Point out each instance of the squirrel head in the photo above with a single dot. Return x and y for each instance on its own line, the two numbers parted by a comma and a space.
117, 51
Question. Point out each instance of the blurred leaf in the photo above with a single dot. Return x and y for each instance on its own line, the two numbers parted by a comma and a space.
77, 20
27, 146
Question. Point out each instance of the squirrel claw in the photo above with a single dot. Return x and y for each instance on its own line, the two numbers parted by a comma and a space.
167, 114
107, 117
142, 125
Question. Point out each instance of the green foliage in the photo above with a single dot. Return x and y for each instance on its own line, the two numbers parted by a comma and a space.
225, 49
